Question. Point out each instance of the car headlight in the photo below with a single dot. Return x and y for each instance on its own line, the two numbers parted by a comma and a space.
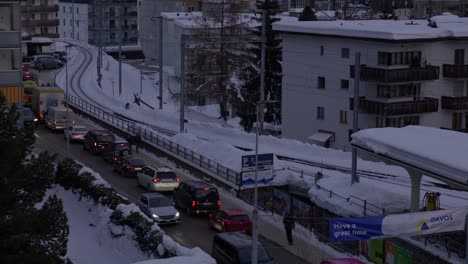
155, 216
177, 214
35, 119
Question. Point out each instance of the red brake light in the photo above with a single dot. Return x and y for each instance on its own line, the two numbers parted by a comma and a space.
219, 203
41, 114
105, 135
156, 180
129, 167
95, 144
74, 134
194, 203
73, 122
55, 122
177, 179
206, 189
116, 158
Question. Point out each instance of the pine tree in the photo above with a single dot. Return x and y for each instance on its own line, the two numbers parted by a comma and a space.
273, 71
307, 14
27, 234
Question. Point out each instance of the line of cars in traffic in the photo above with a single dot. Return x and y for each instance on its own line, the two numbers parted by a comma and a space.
233, 242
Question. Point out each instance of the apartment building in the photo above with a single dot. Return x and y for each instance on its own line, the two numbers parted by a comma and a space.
112, 22
73, 19
39, 18
412, 73
10, 51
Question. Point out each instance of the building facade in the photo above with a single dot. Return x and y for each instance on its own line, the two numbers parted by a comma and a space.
73, 20
10, 52
112, 22
39, 18
411, 74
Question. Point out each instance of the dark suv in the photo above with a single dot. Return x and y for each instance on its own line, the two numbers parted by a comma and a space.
236, 248
197, 197
111, 152
95, 139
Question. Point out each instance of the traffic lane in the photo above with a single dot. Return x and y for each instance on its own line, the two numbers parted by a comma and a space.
191, 232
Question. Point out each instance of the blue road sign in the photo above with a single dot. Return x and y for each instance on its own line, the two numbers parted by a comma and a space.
248, 161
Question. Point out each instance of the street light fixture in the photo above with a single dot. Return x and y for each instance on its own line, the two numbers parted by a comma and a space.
255, 209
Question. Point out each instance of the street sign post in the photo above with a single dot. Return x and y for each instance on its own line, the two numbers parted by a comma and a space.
265, 169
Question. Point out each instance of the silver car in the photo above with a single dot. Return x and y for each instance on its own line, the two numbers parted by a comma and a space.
76, 133
159, 208
158, 179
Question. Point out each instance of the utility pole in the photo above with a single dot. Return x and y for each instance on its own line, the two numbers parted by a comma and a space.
160, 62
255, 209
73, 19
262, 72
182, 84
141, 82
99, 59
66, 101
357, 77
120, 65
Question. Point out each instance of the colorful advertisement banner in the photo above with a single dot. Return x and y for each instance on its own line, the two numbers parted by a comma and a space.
397, 255
373, 249
363, 228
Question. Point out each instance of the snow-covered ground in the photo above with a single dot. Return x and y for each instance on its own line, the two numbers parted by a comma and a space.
91, 237
222, 139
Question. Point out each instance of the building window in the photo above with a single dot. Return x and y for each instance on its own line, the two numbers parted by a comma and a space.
77, 10
71, 10
77, 23
321, 50
351, 104
71, 22
343, 117
402, 90
64, 34
320, 113
344, 84
321, 82
64, 10
64, 22
399, 58
345, 53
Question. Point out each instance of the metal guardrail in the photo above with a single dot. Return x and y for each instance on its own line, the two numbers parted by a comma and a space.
217, 170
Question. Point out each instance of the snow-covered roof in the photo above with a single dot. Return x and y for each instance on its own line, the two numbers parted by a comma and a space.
448, 26
198, 21
176, 15
442, 152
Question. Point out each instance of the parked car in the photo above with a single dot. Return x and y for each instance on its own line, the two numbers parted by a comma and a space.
158, 179
229, 220
128, 166
197, 197
29, 119
75, 133
94, 139
342, 261
159, 207
111, 152
236, 248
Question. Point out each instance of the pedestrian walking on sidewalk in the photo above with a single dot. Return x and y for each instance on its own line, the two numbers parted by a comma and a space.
288, 221
137, 141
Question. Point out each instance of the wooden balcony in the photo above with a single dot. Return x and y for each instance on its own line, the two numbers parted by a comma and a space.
411, 74
40, 23
424, 105
39, 8
455, 103
455, 71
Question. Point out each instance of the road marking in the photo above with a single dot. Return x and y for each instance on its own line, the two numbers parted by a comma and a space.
36, 135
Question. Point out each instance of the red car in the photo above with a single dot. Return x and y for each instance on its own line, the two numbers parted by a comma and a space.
229, 220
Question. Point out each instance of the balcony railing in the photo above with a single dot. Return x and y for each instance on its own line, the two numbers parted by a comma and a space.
39, 8
40, 23
455, 71
411, 74
455, 103
425, 105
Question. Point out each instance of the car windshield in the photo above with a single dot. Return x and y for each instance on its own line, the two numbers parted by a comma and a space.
122, 145
105, 138
159, 202
245, 255
207, 194
166, 175
80, 129
136, 162
239, 218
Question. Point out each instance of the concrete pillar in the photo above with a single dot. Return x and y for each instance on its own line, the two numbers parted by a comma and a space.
415, 189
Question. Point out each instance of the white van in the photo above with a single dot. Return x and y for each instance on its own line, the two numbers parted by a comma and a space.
56, 117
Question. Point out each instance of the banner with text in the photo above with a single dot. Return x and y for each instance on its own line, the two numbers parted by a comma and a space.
362, 228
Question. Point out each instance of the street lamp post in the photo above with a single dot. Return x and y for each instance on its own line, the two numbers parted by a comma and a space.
66, 100
259, 105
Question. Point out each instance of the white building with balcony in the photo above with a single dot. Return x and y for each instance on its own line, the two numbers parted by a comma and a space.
73, 20
412, 72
